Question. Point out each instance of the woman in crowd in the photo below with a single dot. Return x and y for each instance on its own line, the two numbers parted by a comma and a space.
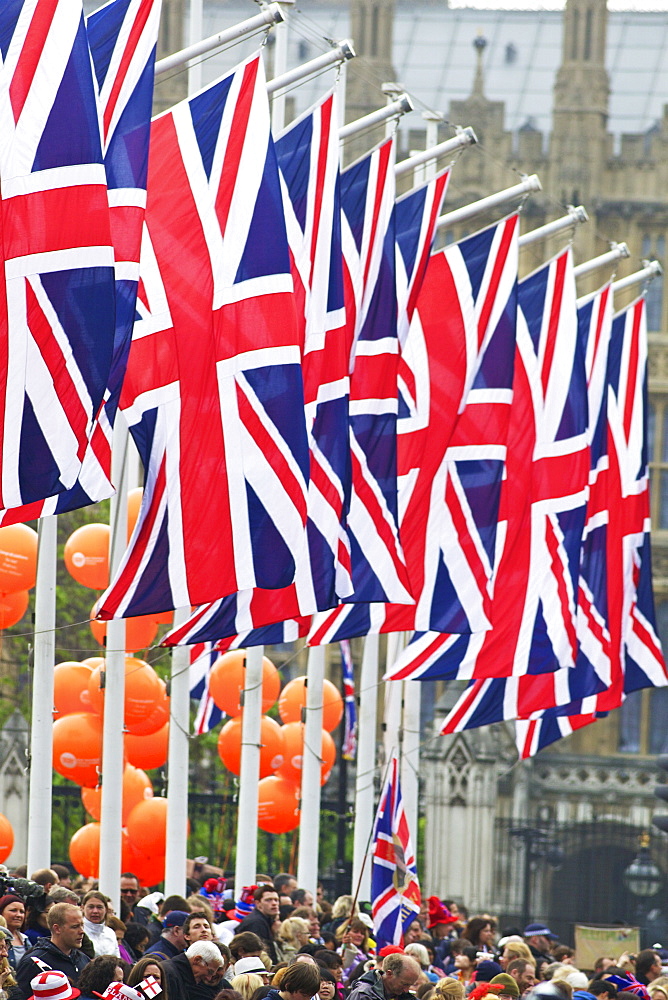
98, 974
292, 935
354, 947
12, 908
480, 932
148, 966
246, 984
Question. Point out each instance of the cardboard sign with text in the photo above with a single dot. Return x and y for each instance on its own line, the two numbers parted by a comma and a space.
603, 942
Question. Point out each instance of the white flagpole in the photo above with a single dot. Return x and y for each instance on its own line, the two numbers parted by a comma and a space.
618, 251
249, 775
394, 109
464, 137
338, 54
651, 270
270, 15
576, 215
177, 771
111, 814
410, 756
195, 31
526, 186
281, 38
394, 693
309, 827
366, 766
41, 729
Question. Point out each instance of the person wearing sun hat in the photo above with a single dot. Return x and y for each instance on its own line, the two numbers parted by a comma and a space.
440, 926
53, 985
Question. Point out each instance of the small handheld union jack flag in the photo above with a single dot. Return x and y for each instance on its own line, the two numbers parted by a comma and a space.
395, 890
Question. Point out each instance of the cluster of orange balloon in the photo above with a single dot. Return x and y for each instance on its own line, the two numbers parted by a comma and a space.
282, 747
18, 571
6, 838
77, 755
87, 561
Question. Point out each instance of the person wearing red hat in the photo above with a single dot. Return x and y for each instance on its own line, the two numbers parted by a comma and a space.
53, 985
441, 927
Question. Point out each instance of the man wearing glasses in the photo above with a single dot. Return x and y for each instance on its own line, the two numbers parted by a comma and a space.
197, 974
129, 889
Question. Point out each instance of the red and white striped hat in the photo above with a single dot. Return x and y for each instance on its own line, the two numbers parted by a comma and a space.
53, 985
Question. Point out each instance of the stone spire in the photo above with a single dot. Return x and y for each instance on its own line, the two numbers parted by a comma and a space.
371, 27
581, 94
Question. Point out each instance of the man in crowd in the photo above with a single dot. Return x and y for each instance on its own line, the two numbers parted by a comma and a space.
397, 975
523, 973
171, 942
196, 928
129, 890
538, 937
648, 966
285, 884
260, 921
195, 974
61, 951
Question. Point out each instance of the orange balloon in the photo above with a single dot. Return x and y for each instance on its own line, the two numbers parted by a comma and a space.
278, 804
13, 607
136, 787
147, 827
293, 699
70, 683
148, 752
77, 747
164, 618
154, 720
134, 503
271, 750
139, 632
6, 838
227, 678
149, 871
85, 850
87, 555
94, 661
144, 691
18, 558
293, 749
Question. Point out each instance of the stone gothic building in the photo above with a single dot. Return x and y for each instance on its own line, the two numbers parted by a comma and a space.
549, 839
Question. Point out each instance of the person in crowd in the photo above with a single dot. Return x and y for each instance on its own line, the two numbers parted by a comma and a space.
302, 897
648, 964
308, 913
246, 945
562, 953
293, 935
61, 951
658, 990
46, 877
120, 930
341, 910
7, 981
197, 927
523, 972
253, 967
94, 906
64, 875
129, 890
260, 921
301, 981
197, 973
36, 925
12, 908
480, 931
145, 967
509, 984
421, 956
97, 975
538, 937
246, 984
285, 884
354, 944
512, 950
449, 989
328, 989
136, 939
171, 942
413, 933
396, 977
486, 970
605, 990
465, 964
603, 963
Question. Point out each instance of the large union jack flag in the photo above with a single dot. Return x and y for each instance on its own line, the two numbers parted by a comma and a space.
395, 890
543, 504
122, 38
455, 393
213, 392
308, 158
57, 288
368, 239
203, 655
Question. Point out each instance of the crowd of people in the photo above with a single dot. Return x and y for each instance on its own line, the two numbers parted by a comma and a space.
276, 941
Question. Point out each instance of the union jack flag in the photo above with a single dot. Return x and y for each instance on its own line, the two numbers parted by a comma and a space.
349, 746
395, 889
122, 38
213, 391
456, 393
203, 655
368, 239
308, 158
543, 503
57, 288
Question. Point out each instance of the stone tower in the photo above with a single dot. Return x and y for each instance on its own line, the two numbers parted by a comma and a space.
371, 29
580, 142
173, 87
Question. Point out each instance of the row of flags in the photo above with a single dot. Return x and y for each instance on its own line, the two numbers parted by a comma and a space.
341, 432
